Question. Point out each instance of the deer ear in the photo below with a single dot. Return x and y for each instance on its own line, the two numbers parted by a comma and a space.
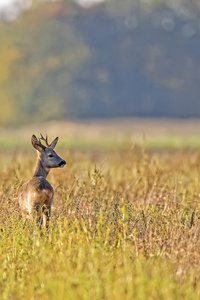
36, 144
54, 143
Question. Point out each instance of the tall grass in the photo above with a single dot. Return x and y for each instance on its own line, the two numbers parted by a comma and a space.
125, 225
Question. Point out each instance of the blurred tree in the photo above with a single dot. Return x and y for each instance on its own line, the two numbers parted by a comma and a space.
8, 56
118, 58
7, 111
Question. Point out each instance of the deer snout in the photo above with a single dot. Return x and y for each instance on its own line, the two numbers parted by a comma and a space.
62, 163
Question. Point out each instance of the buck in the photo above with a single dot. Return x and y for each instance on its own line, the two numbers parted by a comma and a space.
36, 195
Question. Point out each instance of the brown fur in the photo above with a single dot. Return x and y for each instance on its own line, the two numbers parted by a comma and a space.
36, 195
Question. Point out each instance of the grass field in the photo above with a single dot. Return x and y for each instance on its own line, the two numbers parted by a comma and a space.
109, 134
125, 225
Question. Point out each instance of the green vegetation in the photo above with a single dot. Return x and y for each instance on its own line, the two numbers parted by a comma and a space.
107, 135
157, 143
61, 61
174, 142
125, 225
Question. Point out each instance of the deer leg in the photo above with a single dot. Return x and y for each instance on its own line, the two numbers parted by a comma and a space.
25, 216
24, 219
44, 220
46, 215
38, 214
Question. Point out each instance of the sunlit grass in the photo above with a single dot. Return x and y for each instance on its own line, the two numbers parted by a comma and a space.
125, 225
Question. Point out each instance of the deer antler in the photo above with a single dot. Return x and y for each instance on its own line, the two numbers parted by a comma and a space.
44, 139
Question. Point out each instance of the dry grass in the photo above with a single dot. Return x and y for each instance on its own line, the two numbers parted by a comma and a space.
125, 225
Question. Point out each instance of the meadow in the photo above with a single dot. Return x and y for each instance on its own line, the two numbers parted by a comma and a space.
125, 225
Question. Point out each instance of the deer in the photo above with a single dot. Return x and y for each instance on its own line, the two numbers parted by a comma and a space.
36, 195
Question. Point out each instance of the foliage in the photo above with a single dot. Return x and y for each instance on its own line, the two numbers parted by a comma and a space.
124, 228
8, 55
121, 58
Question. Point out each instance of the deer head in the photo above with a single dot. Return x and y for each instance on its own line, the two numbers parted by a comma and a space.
47, 156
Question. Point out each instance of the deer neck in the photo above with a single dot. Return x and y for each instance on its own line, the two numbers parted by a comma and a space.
40, 170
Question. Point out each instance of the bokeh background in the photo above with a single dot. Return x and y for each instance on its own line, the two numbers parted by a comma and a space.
88, 59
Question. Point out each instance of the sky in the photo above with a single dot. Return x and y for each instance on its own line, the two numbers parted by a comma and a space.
88, 3
11, 9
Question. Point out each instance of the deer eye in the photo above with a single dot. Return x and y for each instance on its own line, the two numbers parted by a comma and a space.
50, 155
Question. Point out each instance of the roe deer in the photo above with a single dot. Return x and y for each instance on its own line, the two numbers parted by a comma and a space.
36, 195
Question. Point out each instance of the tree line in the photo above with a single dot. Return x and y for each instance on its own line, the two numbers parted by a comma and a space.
61, 61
